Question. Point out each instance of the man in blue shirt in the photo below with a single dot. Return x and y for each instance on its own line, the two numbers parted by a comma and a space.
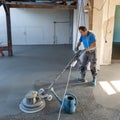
89, 41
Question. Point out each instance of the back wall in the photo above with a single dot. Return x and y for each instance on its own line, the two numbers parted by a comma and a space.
37, 26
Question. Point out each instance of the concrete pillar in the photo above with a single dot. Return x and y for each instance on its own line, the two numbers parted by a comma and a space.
103, 27
97, 28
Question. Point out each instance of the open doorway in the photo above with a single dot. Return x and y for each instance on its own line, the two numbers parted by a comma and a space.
116, 38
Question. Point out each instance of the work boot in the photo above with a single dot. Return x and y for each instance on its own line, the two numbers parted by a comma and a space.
81, 80
93, 82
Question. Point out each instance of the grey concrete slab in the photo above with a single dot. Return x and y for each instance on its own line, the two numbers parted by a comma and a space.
33, 67
110, 75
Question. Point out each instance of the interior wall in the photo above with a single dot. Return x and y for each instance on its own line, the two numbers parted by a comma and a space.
103, 27
36, 26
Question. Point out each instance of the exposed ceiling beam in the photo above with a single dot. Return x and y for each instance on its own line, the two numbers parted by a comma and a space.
91, 15
37, 5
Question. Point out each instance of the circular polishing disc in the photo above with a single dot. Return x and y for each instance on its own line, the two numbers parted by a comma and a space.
28, 108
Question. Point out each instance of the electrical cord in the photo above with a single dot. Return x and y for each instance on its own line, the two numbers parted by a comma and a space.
107, 21
101, 8
66, 88
83, 13
83, 4
59, 115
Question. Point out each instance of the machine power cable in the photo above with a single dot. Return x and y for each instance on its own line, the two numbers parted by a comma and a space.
68, 80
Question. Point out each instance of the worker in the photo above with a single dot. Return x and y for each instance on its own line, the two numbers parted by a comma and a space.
89, 41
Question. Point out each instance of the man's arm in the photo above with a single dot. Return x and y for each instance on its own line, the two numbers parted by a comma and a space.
93, 46
79, 43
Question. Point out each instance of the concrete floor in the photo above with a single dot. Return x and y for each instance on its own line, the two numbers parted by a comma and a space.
33, 67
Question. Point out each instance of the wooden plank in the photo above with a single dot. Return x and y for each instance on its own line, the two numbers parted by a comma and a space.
5, 48
45, 6
9, 36
91, 15
5, 8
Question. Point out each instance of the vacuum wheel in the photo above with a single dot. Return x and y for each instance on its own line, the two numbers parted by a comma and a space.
49, 98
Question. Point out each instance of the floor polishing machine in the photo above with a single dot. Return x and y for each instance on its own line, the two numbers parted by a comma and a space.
35, 101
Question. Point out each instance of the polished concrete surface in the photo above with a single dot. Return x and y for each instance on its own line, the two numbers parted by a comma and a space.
34, 67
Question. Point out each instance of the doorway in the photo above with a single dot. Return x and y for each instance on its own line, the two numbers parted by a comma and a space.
61, 32
116, 37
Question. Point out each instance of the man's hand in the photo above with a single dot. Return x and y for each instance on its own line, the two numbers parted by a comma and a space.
77, 48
